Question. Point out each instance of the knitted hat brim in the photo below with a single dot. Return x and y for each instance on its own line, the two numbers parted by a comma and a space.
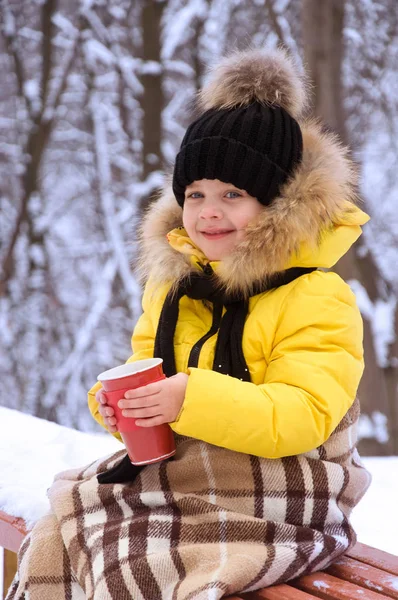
205, 158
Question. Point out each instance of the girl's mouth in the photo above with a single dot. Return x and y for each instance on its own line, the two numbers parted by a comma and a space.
217, 235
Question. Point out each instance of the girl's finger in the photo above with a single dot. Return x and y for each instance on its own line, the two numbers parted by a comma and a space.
151, 422
141, 413
145, 390
142, 402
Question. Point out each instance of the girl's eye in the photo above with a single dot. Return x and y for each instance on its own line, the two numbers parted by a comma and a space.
233, 195
195, 195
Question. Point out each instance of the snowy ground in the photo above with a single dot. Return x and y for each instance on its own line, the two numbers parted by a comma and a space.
33, 450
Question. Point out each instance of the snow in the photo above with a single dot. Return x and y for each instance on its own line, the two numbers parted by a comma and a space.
128, 66
180, 27
32, 93
381, 315
151, 67
8, 22
64, 24
374, 426
60, 77
383, 327
85, 334
115, 233
393, 581
95, 51
374, 519
320, 585
34, 450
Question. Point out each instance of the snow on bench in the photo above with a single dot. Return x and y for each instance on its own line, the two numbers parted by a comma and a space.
32, 451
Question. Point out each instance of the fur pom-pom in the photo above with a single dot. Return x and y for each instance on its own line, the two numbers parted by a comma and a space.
266, 75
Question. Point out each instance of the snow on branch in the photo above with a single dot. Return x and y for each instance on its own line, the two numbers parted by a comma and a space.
281, 26
381, 316
10, 35
108, 53
65, 25
9, 28
128, 66
374, 426
102, 292
57, 88
180, 27
179, 67
174, 109
96, 24
108, 206
95, 52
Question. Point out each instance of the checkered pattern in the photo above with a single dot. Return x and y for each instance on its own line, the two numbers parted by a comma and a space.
205, 525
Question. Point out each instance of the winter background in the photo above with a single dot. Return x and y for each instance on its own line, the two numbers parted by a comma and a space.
95, 97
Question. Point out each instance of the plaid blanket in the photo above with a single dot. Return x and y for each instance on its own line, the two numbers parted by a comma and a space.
208, 524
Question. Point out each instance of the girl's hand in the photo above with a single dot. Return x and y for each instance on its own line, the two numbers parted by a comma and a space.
156, 403
106, 411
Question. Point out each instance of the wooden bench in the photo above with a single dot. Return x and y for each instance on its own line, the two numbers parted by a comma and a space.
364, 573
12, 532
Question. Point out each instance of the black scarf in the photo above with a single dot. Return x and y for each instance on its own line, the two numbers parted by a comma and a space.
229, 358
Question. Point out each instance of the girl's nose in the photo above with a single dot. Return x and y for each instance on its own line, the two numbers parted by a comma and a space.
210, 210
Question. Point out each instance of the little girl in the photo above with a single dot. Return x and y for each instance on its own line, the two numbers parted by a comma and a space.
262, 348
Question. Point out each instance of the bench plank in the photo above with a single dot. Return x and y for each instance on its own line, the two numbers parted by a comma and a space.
365, 575
375, 557
12, 531
9, 569
278, 592
325, 586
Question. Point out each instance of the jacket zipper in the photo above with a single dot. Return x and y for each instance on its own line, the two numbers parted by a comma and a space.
195, 352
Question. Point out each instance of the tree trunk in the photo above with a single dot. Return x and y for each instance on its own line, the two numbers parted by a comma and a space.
323, 53
152, 98
323, 42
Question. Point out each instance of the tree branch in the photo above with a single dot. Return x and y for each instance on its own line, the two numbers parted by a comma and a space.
54, 96
274, 21
102, 294
132, 289
38, 138
8, 29
47, 11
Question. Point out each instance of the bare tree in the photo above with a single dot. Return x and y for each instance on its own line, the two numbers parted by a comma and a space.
324, 51
152, 78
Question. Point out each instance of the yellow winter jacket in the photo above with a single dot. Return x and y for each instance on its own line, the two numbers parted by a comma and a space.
302, 341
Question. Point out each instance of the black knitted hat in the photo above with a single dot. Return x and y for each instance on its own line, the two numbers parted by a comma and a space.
248, 135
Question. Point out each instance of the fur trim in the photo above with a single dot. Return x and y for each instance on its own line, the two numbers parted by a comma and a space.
309, 203
268, 76
157, 257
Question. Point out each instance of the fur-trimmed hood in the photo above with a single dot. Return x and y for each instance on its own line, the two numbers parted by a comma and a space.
312, 223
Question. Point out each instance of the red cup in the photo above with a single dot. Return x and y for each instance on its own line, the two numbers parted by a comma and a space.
145, 445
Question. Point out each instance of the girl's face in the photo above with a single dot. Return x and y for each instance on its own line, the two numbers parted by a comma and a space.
216, 214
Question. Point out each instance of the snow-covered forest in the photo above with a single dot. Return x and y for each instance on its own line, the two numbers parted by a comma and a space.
94, 100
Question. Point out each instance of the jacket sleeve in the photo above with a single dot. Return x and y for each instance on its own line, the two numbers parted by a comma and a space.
311, 380
142, 343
